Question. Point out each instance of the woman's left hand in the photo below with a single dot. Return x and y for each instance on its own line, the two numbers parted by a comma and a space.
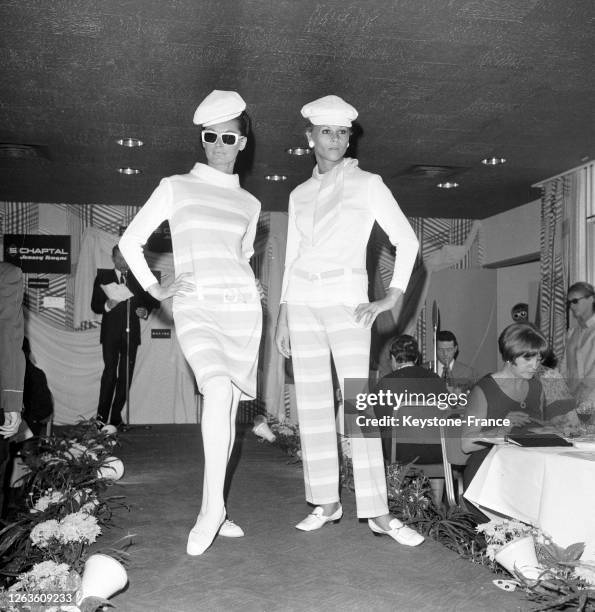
366, 313
260, 289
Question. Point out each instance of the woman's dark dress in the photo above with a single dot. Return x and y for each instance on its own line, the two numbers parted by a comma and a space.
499, 405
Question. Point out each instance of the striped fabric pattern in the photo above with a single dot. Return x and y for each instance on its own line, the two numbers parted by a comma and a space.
552, 302
213, 224
433, 234
314, 334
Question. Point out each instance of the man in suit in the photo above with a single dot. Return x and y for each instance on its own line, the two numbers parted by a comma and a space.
12, 361
114, 336
456, 374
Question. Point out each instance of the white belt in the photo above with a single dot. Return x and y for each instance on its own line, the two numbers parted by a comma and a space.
229, 295
320, 276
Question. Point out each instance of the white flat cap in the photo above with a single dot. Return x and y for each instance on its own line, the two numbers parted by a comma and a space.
330, 110
219, 106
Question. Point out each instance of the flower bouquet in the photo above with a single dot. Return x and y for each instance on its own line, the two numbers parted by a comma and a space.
511, 544
48, 585
287, 438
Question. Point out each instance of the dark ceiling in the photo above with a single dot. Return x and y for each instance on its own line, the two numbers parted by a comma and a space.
437, 83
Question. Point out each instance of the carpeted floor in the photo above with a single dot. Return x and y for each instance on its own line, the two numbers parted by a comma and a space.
274, 567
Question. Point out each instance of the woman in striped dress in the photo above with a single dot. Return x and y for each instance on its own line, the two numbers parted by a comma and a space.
216, 308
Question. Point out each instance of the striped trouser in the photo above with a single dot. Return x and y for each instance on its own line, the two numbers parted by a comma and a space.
315, 333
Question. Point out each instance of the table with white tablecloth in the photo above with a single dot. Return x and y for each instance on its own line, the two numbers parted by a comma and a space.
551, 488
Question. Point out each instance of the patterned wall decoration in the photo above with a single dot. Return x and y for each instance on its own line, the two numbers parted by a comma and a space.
433, 234
32, 218
552, 299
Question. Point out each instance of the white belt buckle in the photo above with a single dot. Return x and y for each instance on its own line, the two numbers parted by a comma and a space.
230, 296
316, 277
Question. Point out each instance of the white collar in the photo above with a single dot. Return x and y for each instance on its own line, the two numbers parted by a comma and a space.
215, 177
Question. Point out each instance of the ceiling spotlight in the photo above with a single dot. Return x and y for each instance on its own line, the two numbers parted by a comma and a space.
493, 161
130, 142
447, 185
129, 170
276, 178
298, 151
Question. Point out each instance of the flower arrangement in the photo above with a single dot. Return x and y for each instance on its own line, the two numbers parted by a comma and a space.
287, 437
46, 543
499, 532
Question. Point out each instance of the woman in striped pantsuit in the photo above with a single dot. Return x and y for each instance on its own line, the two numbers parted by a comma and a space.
217, 311
325, 311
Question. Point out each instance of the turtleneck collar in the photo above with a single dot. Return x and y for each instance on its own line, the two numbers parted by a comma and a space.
215, 177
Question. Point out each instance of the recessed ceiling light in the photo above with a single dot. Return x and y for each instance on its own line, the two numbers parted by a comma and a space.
129, 170
299, 151
277, 178
447, 185
130, 142
493, 161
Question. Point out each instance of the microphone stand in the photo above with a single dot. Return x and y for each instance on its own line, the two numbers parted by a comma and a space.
127, 420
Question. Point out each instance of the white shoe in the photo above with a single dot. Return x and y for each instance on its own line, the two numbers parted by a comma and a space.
230, 530
201, 536
399, 532
316, 520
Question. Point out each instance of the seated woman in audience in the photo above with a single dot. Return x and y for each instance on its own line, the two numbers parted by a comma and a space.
409, 377
512, 393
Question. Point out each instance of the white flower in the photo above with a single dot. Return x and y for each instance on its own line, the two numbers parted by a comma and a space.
79, 526
46, 576
90, 506
43, 532
45, 501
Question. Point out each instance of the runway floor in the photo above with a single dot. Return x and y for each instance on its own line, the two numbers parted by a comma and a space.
274, 567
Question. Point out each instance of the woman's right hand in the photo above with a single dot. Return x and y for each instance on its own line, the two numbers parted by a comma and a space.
182, 285
282, 340
518, 418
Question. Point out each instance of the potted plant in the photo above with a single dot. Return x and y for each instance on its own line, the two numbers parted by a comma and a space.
510, 543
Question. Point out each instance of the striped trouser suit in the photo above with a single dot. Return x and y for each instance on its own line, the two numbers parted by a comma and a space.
316, 333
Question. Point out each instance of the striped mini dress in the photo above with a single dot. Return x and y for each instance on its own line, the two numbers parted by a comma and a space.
213, 224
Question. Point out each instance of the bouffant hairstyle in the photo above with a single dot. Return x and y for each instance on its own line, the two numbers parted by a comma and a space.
521, 339
404, 349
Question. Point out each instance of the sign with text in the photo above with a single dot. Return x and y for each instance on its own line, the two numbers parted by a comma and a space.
38, 253
160, 333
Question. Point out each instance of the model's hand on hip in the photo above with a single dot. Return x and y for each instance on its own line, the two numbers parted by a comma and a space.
282, 340
366, 313
260, 289
182, 285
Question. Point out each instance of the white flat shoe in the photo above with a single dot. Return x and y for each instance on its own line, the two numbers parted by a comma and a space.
230, 530
316, 520
399, 532
201, 537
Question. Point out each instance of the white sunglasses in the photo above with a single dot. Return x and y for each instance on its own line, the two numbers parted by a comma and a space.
227, 138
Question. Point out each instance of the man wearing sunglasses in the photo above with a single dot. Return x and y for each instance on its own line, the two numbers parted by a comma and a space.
578, 364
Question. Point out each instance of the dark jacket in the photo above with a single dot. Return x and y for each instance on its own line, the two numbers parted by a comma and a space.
113, 323
12, 359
